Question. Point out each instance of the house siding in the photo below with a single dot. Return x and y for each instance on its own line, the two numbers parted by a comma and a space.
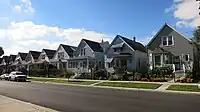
181, 44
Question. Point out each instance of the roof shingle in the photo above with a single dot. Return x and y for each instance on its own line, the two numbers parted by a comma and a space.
69, 49
50, 53
95, 46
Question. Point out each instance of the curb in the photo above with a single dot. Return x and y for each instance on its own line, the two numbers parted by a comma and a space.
122, 88
37, 107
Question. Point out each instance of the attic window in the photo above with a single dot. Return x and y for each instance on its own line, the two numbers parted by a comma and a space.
167, 41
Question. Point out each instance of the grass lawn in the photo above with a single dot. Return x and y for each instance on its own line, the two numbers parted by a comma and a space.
191, 88
62, 81
130, 85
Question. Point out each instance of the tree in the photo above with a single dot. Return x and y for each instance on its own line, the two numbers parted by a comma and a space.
68, 73
196, 45
1, 51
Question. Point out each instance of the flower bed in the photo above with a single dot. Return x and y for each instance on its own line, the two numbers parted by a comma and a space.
185, 80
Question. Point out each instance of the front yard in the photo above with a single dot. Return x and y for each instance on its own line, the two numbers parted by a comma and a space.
130, 85
64, 81
190, 88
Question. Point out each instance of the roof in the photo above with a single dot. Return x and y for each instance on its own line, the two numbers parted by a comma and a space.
35, 54
162, 29
95, 46
50, 53
23, 55
69, 49
12, 57
133, 44
6, 58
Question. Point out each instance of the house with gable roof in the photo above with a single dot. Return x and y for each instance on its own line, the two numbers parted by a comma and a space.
169, 47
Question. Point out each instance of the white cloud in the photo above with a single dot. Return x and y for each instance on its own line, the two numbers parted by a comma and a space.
187, 12
25, 36
147, 39
24, 6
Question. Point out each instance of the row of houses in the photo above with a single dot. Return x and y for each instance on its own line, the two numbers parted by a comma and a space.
167, 47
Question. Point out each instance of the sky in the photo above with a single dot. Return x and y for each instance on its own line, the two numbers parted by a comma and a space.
36, 24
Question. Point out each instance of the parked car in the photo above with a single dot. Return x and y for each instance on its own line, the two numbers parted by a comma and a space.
17, 76
2, 77
6, 76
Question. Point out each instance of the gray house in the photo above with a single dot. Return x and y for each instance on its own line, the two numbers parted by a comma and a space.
126, 54
89, 54
63, 53
170, 47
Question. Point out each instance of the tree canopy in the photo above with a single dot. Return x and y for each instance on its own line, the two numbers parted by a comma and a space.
1, 51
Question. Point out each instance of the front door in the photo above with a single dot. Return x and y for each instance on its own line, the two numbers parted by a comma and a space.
177, 62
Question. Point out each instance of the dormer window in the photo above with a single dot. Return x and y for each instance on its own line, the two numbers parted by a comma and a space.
167, 41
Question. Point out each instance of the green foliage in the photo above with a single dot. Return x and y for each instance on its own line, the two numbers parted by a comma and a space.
68, 73
161, 71
115, 78
100, 74
1, 51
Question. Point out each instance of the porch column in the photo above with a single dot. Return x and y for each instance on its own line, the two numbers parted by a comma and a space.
162, 59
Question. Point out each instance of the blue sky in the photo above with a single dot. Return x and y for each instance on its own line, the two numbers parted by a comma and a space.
35, 24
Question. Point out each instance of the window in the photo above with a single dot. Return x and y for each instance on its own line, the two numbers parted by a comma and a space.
138, 62
187, 57
170, 40
167, 41
61, 55
164, 41
82, 52
115, 50
157, 60
43, 56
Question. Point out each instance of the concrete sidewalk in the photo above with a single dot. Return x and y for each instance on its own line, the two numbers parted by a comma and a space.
13, 105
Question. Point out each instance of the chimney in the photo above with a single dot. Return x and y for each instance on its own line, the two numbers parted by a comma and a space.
102, 41
134, 38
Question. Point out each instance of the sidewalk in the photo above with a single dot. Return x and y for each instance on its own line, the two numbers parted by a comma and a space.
13, 105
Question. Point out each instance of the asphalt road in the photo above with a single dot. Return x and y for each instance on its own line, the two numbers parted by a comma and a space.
89, 99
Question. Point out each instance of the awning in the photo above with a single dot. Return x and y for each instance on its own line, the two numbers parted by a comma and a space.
109, 60
117, 45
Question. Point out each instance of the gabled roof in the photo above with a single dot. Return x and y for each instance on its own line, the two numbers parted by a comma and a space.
6, 59
69, 49
12, 57
50, 53
162, 29
35, 54
133, 44
23, 55
95, 46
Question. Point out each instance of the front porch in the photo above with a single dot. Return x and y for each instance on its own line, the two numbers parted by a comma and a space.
124, 62
160, 57
84, 64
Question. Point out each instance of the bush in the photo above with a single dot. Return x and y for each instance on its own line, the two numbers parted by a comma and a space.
115, 78
185, 80
68, 73
100, 74
161, 71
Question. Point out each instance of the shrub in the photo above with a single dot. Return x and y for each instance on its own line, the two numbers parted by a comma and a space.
115, 77
100, 74
68, 73
161, 71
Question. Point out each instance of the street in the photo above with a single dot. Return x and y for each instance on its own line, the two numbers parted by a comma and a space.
89, 99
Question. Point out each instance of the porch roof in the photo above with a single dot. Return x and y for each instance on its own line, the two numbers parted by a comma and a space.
109, 60
118, 45
122, 55
160, 51
81, 57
